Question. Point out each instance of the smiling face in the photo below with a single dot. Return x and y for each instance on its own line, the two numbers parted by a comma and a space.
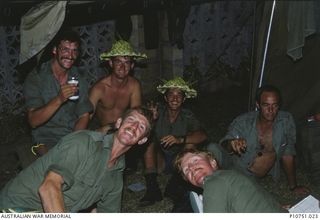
195, 167
174, 98
121, 66
66, 54
133, 129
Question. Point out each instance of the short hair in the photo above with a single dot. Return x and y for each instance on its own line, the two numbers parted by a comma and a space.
66, 35
181, 154
143, 111
268, 88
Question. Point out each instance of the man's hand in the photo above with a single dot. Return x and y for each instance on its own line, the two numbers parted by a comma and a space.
169, 140
300, 190
153, 107
66, 91
238, 145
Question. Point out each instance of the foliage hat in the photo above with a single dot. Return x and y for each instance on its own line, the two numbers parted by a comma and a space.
122, 48
179, 83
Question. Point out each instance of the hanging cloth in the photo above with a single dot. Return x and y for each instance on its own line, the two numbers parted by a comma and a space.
301, 24
38, 27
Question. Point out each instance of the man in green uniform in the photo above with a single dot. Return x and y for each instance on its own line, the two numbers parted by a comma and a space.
224, 190
176, 128
84, 168
51, 113
258, 142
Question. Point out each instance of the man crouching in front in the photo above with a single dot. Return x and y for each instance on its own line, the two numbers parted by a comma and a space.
224, 191
84, 168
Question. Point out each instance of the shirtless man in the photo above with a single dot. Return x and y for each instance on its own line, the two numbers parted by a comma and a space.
118, 91
258, 140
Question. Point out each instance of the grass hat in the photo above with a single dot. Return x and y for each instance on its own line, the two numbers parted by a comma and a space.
179, 83
122, 48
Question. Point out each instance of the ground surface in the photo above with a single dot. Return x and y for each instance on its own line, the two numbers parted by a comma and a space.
215, 110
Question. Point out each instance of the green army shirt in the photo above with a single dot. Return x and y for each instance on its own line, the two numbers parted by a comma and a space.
40, 88
228, 191
283, 139
81, 159
185, 122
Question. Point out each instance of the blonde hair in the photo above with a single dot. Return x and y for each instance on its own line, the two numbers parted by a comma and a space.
179, 157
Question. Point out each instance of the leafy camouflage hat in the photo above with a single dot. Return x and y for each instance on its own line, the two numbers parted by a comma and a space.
122, 48
179, 83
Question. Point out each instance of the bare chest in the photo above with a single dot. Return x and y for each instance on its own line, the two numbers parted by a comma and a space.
115, 98
265, 135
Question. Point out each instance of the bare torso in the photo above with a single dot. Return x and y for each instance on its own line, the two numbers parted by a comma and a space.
111, 98
265, 158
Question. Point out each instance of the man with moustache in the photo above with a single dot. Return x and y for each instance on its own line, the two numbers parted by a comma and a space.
84, 168
50, 112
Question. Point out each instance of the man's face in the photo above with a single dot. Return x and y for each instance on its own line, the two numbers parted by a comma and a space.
133, 129
66, 54
269, 106
195, 167
174, 98
121, 66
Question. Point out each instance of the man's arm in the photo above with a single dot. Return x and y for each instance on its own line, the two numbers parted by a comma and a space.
38, 116
135, 100
236, 145
94, 96
82, 122
288, 159
288, 162
51, 193
190, 139
195, 137
289, 168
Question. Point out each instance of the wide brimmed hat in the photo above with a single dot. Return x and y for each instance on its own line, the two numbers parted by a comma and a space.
122, 48
179, 83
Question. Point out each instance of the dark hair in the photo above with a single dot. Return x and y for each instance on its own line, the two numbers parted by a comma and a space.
268, 88
66, 35
63, 34
143, 111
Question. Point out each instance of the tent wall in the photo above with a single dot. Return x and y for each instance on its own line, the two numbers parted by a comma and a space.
298, 80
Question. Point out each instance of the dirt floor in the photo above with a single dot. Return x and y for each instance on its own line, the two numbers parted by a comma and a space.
215, 110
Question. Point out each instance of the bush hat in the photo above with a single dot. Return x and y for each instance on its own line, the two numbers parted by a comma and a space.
179, 83
122, 48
